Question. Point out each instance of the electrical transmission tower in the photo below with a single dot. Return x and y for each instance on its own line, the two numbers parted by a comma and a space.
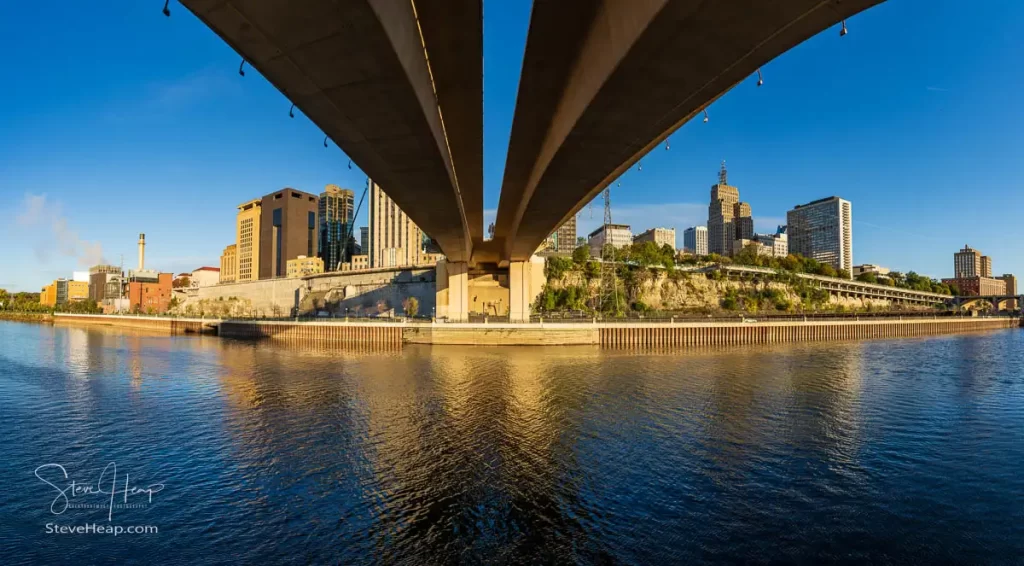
609, 294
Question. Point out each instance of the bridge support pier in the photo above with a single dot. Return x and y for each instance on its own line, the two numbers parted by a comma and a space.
525, 282
452, 280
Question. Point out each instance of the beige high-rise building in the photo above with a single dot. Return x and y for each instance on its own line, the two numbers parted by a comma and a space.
247, 240
395, 240
721, 228
229, 264
565, 236
986, 266
743, 221
967, 263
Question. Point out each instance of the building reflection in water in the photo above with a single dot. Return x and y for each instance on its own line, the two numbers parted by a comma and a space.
529, 455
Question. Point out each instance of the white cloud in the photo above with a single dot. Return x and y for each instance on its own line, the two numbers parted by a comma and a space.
41, 222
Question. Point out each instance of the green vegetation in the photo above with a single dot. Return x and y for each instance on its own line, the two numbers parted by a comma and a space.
21, 302
581, 255
571, 298
644, 272
29, 303
799, 264
87, 306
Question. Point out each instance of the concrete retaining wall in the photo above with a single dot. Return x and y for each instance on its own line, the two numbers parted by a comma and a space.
334, 292
170, 325
685, 335
606, 335
393, 335
503, 335
322, 333
267, 297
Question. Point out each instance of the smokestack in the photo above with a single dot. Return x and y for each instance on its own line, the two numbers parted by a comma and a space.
142, 252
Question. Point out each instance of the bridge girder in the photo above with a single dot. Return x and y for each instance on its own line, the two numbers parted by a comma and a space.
398, 86
604, 82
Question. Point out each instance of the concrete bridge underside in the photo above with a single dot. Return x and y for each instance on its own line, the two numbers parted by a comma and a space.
398, 86
359, 70
604, 82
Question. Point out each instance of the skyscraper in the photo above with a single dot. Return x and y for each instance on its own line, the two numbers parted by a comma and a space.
967, 263
337, 206
395, 240
247, 238
728, 218
288, 229
364, 240
986, 266
823, 230
695, 240
743, 221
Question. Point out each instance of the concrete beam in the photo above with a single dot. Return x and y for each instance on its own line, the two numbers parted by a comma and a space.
604, 82
396, 85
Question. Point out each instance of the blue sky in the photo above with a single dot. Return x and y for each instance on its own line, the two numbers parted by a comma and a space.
116, 120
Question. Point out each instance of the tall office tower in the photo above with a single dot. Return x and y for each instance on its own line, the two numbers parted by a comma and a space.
337, 206
695, 240
721, 229
247, 240
986, 266
743, 221
565, 236
967, 263
395, 240
288, 229
823, 230
364, 240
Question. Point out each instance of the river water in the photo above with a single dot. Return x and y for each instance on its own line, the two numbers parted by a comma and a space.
886, 451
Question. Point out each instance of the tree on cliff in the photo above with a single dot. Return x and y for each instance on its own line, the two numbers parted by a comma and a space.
581, 255
867, 277
411, 306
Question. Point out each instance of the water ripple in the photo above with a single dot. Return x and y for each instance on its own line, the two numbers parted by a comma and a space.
880, 451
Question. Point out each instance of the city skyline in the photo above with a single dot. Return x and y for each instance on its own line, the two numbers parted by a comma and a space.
173, 116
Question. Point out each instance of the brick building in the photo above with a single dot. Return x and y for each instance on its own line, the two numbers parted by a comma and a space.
149, 291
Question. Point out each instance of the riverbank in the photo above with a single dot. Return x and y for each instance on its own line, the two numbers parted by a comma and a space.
374, 334
613, 335
167, 324
40, 317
